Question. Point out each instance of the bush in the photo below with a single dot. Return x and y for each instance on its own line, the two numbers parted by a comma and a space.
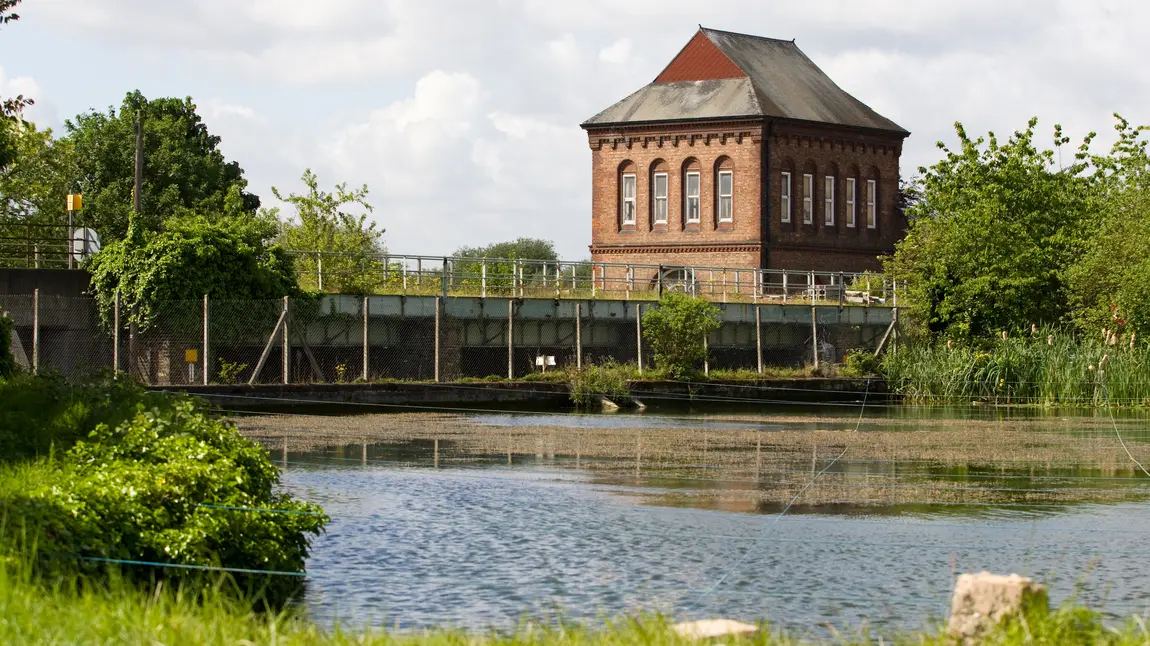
7, 361
166, 484
861, 363
608, 379
677, 330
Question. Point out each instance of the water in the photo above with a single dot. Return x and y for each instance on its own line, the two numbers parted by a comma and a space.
477, 543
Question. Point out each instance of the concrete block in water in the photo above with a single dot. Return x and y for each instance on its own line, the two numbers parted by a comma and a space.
984, 600
710, 628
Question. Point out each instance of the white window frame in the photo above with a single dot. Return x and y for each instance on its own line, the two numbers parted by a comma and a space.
693, 200
657, 200
851, 188
629, 201
785, 193
871, 207
829, 200
729, 197
808, 198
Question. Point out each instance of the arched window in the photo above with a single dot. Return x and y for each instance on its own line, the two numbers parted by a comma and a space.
724, 190
787, 192
660, 189
692, 192
872, 199
830, 205
851, 197
809, 193
628, 189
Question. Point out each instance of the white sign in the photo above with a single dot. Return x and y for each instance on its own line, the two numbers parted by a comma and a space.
85, 243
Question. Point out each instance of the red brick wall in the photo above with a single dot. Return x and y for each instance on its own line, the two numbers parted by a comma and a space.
825, 151
709, 242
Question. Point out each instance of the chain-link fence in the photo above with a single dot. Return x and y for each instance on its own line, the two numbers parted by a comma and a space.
343, 338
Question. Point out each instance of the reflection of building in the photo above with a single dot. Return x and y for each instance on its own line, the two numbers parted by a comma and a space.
743, 153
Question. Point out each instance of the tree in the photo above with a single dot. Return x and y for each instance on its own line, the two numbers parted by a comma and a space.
10, 108
518, 249
184, 170
224, 258
32, 190
992, 233
677, 330
500, 272
351, 244
1110, 283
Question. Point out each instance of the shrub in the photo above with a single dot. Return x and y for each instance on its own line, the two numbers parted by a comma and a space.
677, 330
166, 483
861, 363
608, 379
7, 361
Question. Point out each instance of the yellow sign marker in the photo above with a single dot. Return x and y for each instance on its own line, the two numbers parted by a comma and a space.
191, 356
75, 201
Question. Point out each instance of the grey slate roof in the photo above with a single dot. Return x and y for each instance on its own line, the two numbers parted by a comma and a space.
781, 82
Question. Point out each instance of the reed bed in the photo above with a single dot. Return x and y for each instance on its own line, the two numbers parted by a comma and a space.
1044, 368
887, 461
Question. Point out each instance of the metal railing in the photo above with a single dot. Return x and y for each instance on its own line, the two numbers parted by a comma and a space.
335, 272
34, 246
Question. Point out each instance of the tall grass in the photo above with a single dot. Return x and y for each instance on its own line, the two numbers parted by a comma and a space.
1043, 367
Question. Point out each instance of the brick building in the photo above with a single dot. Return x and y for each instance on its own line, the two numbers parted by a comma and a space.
743, 153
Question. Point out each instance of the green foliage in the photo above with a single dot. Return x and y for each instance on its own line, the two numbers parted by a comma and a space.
322, 223
226, 259
156, 479
1110, 284
499, 274
33, 186
1043, 367
518, 249
861, 363
230, 371
46, 414
993, 235
184, 171
608, 379
7, 361
10, 108
676, 331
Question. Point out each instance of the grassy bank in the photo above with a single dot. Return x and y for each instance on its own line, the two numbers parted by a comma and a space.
68, 613
1047, 369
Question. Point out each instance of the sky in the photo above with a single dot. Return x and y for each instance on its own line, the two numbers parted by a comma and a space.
462, 116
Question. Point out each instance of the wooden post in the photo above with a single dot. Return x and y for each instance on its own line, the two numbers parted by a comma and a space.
438, 301
286, 344
36, 331
510, 339
366, 314
815, 336
639, 336
116, 336
207, 349
759, 335
578, 336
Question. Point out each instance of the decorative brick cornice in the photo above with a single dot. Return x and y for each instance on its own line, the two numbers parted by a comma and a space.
720, 247
830, 249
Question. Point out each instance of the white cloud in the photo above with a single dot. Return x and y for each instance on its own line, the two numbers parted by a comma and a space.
618, 52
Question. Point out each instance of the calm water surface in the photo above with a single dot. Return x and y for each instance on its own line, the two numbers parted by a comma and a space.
479, 543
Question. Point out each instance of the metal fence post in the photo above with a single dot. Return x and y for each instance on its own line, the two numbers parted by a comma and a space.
578, 336
811, 285
660, 281
286, 344
116, 336
438, 301
842, 290
366, 313
444, 279
639, 336
706, 356
207, 363
785, 288
815, 336
483, 279
510, 338
319, 268
759, 335
36, 331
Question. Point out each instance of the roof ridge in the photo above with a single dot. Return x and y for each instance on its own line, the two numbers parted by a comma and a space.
739, 33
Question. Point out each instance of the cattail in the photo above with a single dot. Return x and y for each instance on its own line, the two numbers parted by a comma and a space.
1050, 340
1102, 362
950, 344
1132, 340
1033, 328
1004, 335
